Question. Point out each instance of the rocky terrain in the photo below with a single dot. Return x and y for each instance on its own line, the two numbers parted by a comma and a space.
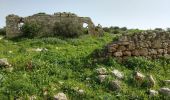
64, 69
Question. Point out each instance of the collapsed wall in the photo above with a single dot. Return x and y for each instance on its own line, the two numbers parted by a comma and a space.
146, 44
14, 22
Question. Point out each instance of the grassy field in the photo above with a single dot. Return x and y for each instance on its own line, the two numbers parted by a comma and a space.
66, 65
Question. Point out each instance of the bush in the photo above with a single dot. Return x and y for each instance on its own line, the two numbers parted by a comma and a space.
68, 28
30, 29
3, 31
139, 63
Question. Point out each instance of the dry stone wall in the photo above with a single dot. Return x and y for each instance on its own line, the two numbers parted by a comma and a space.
147, 44
14, 22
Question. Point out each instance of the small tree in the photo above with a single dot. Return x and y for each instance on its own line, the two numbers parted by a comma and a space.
30, 29
2, 31
68, 28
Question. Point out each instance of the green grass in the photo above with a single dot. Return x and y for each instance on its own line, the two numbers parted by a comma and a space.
66, 65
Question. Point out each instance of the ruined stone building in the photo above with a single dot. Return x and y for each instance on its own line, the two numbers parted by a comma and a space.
14, 22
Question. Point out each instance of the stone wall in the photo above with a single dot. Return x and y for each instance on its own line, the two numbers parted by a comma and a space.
147, 44
14, 22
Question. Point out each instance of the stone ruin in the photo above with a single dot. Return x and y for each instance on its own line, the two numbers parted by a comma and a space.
14, 22
146, 44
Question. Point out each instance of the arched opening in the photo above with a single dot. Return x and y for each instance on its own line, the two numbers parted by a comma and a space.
85, 25
85, 28
20, 24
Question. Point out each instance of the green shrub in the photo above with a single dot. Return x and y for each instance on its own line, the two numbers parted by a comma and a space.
68, 28
30, 30
20, 87
139, 63
2, 31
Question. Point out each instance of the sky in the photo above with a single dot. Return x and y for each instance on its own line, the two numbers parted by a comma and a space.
142, 14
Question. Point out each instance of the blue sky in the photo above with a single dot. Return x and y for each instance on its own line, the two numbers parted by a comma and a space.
143, 14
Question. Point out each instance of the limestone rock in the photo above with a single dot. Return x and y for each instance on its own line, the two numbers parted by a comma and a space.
121, 48
118, 74
118, 54
167, 81
157, 44
60, 96
151, 81
139, 77
153, 51
102, 78
165, 91
127, 53
115, 85
101, 71
143, 51
135, 53
33, 97
4, 62
153, 93
81, 91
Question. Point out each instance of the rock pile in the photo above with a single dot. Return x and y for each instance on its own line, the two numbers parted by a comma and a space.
147, 44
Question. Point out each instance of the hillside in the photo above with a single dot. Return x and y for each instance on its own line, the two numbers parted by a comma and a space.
42, 67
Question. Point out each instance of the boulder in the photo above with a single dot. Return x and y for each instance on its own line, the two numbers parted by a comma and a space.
167, 81
118, 74
101, 71
153, 93
164, 91
60, 96
115, 85
4, 62
102, 78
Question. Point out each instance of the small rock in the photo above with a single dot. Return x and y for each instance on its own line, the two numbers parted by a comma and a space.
10, 51
60, 96
41, 49
81, 91
165, 91
38, 49
167, 81
102, 78
115, 85
4, 62
32, 97
153, 92
151, 81
88, 78
101, 71
139, 77
118, 74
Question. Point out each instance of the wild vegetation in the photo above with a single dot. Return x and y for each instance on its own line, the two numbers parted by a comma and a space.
42, 67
